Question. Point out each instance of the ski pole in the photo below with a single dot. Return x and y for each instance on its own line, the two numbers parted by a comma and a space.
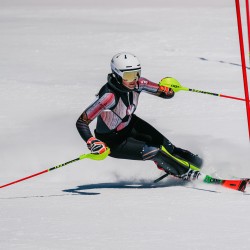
176, 86
81, 157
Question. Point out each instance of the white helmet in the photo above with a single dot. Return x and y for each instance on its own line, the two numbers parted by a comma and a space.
125, 62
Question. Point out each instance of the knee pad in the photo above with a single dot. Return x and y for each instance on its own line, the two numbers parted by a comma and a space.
163, 160
169, 164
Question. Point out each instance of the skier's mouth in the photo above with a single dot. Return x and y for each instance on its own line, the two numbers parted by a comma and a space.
130, 85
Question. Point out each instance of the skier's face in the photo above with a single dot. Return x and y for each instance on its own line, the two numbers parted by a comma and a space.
130, 79
129, 85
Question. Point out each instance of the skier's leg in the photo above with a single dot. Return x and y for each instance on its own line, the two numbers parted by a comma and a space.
169, 163
162, 160
130, 149
133, 149
146, 132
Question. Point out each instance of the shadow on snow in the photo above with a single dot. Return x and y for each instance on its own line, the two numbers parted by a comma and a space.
81, 190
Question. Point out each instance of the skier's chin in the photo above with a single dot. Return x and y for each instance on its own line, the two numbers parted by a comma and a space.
130, 85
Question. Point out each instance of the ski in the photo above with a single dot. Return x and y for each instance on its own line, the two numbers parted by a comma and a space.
194, 174
237, 184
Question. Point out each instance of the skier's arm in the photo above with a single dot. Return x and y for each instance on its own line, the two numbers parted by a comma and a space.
104, 102
82, 125
155, 89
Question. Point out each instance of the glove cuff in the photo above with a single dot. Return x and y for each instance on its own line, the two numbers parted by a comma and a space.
91, 139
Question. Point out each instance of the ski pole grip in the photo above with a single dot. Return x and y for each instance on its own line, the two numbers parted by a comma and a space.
96, 157
172, 83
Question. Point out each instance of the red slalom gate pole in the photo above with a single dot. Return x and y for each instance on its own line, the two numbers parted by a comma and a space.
244, 72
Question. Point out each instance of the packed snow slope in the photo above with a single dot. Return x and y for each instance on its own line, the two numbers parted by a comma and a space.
54, 57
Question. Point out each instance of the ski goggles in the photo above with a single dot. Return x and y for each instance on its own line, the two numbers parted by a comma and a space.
130, 76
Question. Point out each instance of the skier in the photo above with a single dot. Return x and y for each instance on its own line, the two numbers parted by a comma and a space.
127, 135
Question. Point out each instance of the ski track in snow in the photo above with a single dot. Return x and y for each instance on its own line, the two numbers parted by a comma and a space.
54, 58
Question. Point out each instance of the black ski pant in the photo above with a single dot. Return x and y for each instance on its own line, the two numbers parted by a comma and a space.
140, 139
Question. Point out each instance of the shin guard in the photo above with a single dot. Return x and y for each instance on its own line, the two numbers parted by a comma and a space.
164, 160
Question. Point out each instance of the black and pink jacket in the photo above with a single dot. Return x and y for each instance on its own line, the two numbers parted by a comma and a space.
115, 105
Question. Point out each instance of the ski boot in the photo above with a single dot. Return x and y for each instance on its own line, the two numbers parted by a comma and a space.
191, 175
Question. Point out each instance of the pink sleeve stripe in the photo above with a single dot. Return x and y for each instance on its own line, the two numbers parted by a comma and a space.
147, 85
96, 108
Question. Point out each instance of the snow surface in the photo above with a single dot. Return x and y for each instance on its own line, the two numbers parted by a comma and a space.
54, 57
